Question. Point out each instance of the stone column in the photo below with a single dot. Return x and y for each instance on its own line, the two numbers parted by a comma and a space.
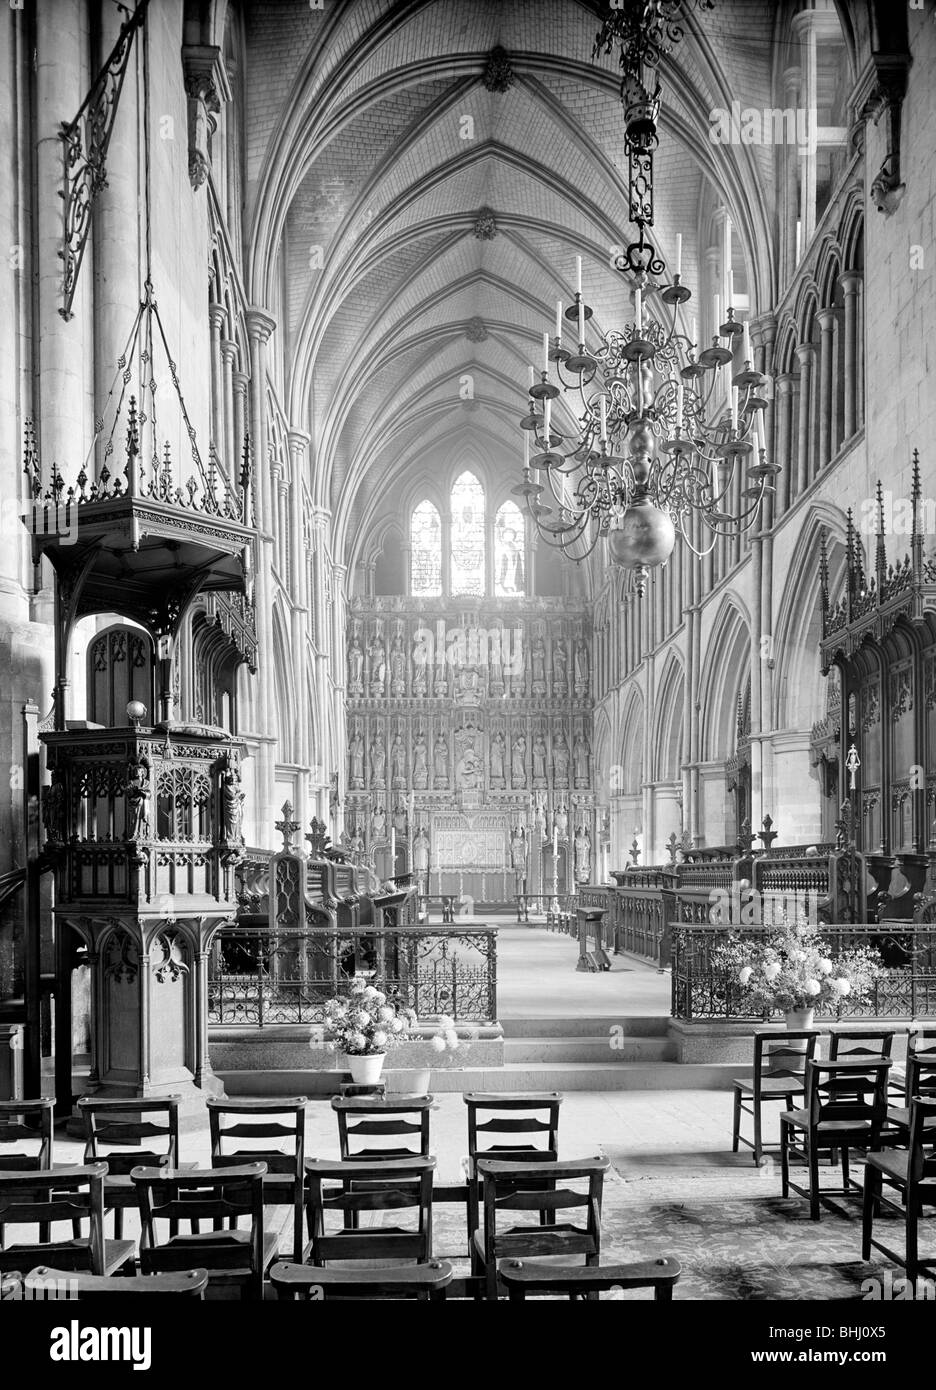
240, 382
330, 759
783, 416
806, 354
217, 318
826, 318
260, 325
790, 203
851, 284
299, 616
804, 28
61, 80
228, 446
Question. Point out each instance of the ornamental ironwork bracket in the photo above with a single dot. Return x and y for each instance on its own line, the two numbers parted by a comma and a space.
85, 141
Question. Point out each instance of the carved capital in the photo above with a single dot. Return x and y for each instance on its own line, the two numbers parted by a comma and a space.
206, 86
260, 324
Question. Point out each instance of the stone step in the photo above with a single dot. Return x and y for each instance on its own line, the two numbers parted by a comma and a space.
651, 1026
524, 1076
606, 1047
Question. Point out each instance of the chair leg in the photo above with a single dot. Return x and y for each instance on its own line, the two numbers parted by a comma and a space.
736, 1122
868, 1206
812, 1154
118, 1224
663, 1293
784, 1160
912, 1217
845, 1168
758, 1140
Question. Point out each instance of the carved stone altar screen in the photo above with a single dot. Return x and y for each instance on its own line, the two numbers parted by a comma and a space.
467, 723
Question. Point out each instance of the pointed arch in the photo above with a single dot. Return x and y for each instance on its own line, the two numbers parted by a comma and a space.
725, 672
799, 689
468, 548
631, 759
668, 733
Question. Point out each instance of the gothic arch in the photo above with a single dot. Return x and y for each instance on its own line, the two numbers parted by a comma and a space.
668, 731
725, 672
798, 686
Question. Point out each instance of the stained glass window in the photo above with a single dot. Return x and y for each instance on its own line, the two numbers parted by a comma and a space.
426, 563
467, 535
508, 550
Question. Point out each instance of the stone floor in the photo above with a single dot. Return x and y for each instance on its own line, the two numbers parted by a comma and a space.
537, 978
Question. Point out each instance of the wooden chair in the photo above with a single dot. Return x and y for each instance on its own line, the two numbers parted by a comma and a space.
233, 1258
578, 1281
844, 1044
44, 1198
426, 1282
189, 1283
508, 1114
837, 1116
779, 1075
912, 1173
361, 1117
123, 1124
264, 1120
388, 1185
919, 1082
526, 1187
28, 1122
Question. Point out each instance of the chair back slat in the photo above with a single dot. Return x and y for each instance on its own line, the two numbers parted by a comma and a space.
850, 1090
266, 1129
846, 1044
511, 1126
540, 1201
383, 1127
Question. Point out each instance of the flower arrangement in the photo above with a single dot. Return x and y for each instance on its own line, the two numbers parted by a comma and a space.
794, 969
364, 1023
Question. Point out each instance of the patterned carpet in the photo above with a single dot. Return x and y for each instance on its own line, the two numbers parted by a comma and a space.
735, 1236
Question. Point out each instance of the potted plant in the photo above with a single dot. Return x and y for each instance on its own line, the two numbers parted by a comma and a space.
794, 972
362, 1025
416, 1080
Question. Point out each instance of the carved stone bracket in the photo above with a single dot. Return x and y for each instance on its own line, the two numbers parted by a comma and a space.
207, 86
880, 92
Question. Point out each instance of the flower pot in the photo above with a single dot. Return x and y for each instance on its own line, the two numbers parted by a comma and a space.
365, 1070
412, 1081
800, 1018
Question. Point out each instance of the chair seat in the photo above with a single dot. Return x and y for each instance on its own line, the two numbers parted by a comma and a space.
529, 1242
586, 1278
220, 1240
117, 1253
771, 1086
898, 1116
893, 1162
799, 1119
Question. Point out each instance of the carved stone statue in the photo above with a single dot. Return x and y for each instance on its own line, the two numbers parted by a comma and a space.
421, 852
399, 818
398, 762
560, 759
397, 667
582, 855
518, 762
355, 668
581, 667
539, 667
496, 658
498, 748
232, 804
581, 753
53, 811
561, 820
421, 660
560, 667
138, 792
378, 824
539, 760
378, 762
468, 770
518, 851
440, 762
420, 763
356, 846
356, 758
378, 667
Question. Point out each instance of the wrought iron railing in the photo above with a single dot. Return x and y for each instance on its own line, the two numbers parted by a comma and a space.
260, 977
906, 989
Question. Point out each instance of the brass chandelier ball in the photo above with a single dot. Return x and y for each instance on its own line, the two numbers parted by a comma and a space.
645, 537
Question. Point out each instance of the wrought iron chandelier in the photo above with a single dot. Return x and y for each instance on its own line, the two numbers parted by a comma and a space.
655, 450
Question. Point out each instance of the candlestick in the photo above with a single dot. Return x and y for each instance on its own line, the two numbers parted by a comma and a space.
679, 404
546, 353
578, 275
717, 316
734, 408
546, 421
759, 426
638, 309
532, 374
692, 332
730, 288
581, 319
526, 450
558, 318
602, 404
679, 253
746, 342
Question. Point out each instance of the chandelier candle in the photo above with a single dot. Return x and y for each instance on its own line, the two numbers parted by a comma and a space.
558, 322
546, 354
578, 276
638, 309
678, 255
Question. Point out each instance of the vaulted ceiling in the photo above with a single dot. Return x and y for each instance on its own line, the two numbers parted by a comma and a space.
374, 144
